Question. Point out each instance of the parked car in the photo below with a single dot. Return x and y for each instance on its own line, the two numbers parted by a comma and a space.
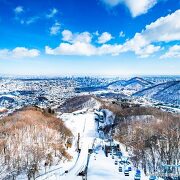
121, 162
116, 162
126, 172
120, 168
152, 178
137, 177
129, 168
138, 171
124, 162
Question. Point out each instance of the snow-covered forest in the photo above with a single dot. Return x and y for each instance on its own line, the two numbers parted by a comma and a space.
151, 135
30, 139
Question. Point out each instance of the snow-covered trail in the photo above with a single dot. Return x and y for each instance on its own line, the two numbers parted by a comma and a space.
86, 142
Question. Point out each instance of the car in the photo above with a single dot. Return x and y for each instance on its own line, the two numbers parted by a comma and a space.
152, 178
121, 162
124, 162
112, 157
129, 168
126, 172
120, 168
137, 177
116, 162
138, 171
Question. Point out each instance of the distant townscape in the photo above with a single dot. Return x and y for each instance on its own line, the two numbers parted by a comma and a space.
15, 93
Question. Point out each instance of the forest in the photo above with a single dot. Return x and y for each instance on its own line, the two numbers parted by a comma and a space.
31, 139
151, 136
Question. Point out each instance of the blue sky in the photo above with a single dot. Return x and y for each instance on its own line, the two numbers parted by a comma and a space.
92, 37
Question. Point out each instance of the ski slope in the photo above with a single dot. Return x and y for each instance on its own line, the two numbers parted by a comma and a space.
86, 143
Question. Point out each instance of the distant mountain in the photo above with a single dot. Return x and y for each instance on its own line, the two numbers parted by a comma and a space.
135, 84
168, 92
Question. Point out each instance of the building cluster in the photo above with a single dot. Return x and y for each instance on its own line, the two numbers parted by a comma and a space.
17, 93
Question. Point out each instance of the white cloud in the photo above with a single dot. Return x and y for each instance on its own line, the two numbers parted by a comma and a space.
147, 51
32, 20
52, 13
67, 35
136, 8
29, 20
164, 29
105, 37
18, 52
80, 44
54, 30
173, 52
78, 48
122, 34
140, 7
18, 10
84, 49
84, 37
144, 44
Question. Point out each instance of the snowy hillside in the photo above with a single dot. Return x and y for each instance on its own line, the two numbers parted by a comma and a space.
135, 84
79, 102
168, 92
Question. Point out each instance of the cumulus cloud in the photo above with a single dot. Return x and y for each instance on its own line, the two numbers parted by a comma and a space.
80, 44
77, 48
18, 9
140, 7
52, 13
19, 52
105, 37
136, 8
173, 52
70, 37
54, 30
143, 44
140, 46
84, 49
164, 29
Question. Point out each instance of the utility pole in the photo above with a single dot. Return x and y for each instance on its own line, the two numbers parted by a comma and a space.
78, 141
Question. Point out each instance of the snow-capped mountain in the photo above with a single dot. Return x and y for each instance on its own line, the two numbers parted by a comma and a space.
168, 92
134, 84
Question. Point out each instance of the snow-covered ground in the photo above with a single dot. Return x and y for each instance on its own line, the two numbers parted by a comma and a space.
83, 123
103, 168
100, 167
